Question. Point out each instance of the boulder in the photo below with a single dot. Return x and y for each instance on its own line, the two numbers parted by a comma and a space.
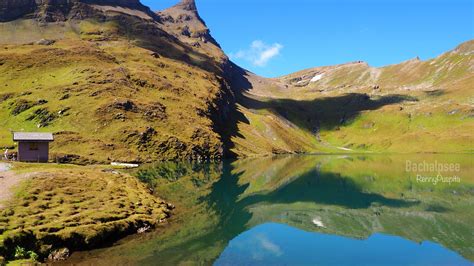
66, 158
143, 229
45, 42
126, 105
59, 254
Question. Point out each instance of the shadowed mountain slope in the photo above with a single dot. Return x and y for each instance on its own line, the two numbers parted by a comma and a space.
414, 106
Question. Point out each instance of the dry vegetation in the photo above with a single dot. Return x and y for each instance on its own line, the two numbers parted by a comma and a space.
125, 88
76, 207
107, 98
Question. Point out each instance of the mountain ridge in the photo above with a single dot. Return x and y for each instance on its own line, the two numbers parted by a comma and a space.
159, 87
60, 10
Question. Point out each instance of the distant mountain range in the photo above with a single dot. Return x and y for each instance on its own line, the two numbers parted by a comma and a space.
115, 81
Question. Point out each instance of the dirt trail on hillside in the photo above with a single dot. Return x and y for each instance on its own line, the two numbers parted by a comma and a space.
8, 180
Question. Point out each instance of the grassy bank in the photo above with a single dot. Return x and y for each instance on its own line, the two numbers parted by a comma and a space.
77, 208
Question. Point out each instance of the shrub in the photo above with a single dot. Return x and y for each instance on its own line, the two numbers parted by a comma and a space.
20, 253
32, 255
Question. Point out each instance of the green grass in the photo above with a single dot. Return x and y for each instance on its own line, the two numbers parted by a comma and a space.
75, 207
94, 65
93, 75
433, 112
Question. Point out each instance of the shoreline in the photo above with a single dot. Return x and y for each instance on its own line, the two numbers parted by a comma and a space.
68, 208
114, 228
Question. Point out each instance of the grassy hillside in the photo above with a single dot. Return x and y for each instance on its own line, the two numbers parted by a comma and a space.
124, 84
109, 90
415, 106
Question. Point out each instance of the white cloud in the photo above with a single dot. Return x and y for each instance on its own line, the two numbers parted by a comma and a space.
268, 245
259, 53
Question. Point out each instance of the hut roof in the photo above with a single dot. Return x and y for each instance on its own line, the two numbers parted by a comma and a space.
32, 136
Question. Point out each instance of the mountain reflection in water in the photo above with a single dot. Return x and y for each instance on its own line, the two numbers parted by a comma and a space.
321, 198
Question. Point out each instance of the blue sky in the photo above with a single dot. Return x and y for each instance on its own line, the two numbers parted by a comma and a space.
278, 37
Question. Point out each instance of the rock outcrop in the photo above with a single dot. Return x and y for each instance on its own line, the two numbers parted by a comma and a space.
12, 9
58, 10
185, 23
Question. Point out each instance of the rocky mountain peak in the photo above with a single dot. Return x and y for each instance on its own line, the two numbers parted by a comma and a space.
183, 21
189, 5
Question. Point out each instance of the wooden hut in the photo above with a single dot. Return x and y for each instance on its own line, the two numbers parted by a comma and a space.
33, 146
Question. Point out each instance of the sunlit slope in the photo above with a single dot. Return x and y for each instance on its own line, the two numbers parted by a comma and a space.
414, 106
119, 82
120, 89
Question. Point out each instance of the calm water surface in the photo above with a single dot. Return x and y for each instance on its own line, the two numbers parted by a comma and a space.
307, 210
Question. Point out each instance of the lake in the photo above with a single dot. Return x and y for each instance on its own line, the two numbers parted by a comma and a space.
307, 210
